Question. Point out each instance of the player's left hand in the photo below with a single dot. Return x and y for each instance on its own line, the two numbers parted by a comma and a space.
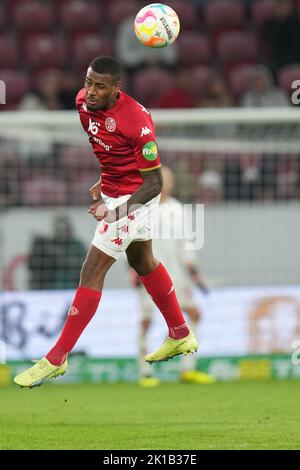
204, 289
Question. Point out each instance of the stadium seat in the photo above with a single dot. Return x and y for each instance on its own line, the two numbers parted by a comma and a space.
287, 75
193, 49
18, 85
79, 15
79, 188
11, 4
237, 47
187, 13
33, 15
150, 84
43, 190
117, 11
2, 18
8, 52
200, 77
37, 75
239, 78
78, 158
261, 11
86, 47
44, 50
224, 15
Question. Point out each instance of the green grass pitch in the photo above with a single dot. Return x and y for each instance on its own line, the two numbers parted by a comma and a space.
244, 415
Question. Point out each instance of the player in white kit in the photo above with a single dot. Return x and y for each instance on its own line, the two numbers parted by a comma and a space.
181, 264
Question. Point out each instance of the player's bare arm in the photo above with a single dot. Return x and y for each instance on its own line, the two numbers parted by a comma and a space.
95, 194
95, 191
150, 188
197, 277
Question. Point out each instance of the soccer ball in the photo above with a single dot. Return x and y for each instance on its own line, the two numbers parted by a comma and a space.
156, 25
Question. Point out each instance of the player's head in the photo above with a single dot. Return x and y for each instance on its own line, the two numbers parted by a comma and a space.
168, 182
102, 83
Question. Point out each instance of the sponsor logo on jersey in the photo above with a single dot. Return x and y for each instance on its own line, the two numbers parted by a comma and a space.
150, 151
73, 311
145, 131
93, 127
103, 144
110, 124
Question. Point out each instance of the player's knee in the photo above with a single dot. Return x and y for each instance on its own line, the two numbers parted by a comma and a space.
144, 267
91, 276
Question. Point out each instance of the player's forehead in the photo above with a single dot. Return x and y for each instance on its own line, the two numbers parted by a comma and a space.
96, 77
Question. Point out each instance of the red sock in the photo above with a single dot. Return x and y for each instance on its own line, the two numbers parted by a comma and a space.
82, 310
160, 286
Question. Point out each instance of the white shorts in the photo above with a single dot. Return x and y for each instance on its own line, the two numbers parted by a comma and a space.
114, 238
183, 292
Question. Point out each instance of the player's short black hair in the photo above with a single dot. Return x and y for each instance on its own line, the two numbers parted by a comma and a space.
107, 65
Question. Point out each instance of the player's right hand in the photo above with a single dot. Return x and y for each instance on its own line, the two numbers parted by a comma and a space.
95, 191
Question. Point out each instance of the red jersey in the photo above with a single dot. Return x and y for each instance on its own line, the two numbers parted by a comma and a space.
123, 140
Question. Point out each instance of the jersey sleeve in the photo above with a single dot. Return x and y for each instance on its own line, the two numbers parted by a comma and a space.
143, 141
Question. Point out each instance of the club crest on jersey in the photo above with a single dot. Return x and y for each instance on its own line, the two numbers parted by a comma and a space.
93, 127
110, 124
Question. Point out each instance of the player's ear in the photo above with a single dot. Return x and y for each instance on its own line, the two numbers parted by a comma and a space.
118, 86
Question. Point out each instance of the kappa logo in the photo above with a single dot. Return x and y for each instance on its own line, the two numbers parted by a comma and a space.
73, 311
117, 241
93, 127
145, 131
110, 124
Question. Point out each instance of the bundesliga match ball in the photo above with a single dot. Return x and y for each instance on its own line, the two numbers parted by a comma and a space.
156, 25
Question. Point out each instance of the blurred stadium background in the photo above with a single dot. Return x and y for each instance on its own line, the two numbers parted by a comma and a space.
232, 138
